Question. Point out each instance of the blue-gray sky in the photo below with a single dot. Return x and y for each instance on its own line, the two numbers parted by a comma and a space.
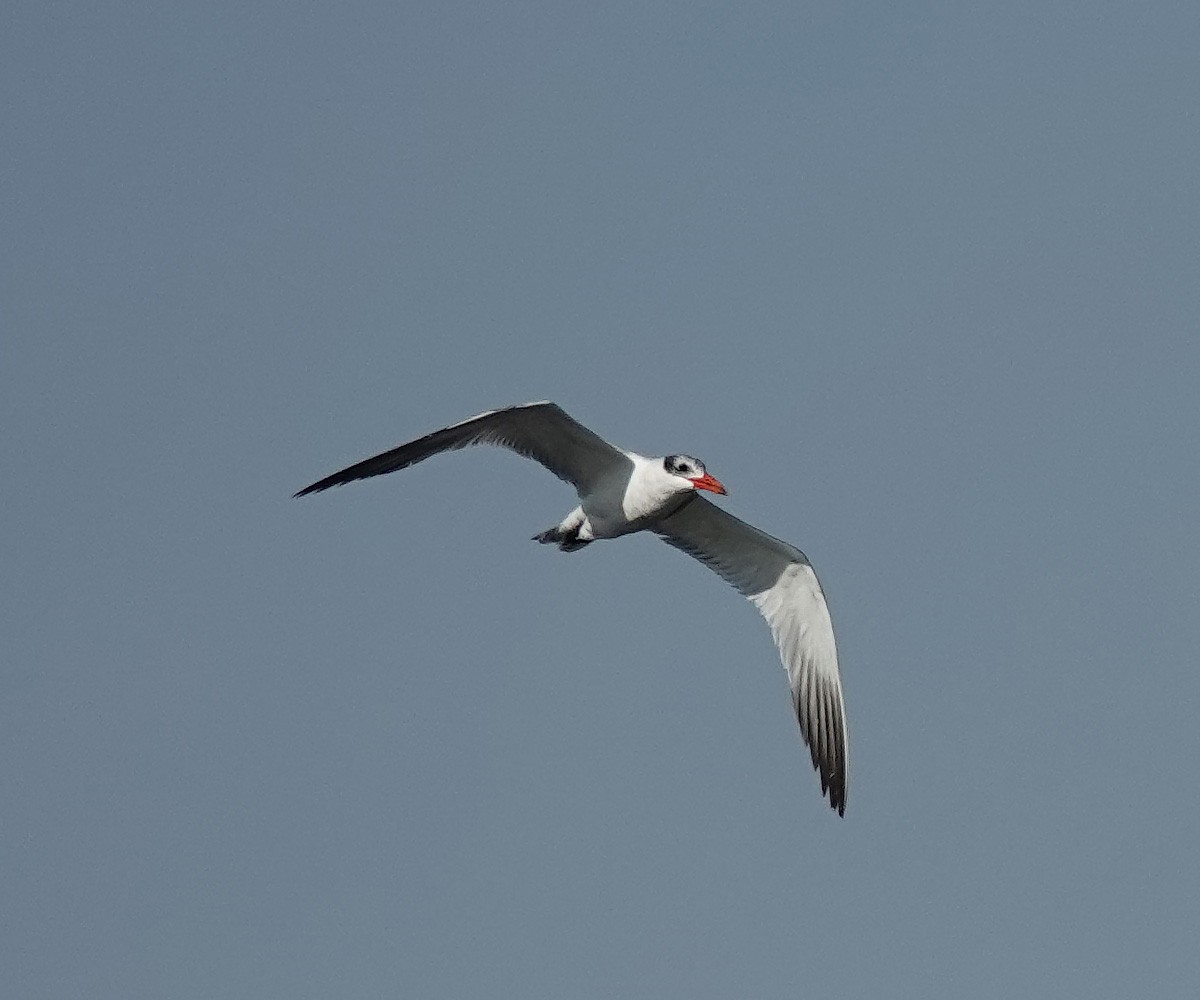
918, 282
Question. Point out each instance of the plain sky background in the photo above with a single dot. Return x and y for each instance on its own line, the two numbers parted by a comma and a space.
919, 282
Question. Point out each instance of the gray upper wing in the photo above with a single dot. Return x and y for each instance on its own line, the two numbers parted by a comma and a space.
541, 431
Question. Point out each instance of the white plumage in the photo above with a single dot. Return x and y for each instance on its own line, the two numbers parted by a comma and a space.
621, 492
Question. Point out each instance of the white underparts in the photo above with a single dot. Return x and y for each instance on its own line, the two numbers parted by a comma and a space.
576, 524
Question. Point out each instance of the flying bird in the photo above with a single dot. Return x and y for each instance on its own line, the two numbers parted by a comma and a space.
621, 492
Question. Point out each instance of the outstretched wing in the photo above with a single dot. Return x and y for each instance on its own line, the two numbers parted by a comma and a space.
778, 578
541, 431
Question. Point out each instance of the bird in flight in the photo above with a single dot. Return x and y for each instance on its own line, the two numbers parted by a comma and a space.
621, 492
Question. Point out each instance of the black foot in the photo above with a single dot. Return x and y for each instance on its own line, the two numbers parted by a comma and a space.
567, 541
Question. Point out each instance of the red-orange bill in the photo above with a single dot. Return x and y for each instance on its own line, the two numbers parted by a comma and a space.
707, 482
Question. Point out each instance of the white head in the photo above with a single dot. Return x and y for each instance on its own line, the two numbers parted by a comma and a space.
692, 472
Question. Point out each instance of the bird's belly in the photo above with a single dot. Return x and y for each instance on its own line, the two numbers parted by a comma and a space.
607, 521
611, 515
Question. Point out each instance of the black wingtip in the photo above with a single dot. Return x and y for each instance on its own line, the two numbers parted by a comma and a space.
837, 795
323, 484
835, 787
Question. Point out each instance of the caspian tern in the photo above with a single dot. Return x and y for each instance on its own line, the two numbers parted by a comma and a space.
621, 492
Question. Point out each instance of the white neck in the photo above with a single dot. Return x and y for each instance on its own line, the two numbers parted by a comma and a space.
652, 491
